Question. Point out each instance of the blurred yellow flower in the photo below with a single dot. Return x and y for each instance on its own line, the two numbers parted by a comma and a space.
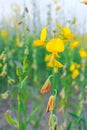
48, 57
4, 33
52, 56
74, 44
67, 33
58, 8
77, 65
75, 73
54, 63
74, 70
72, 67
4, 95
3, 74
83, 53
19, 43
55, 1
38, 43
16, 9
42, 38
55, 45
1, 56
11, 81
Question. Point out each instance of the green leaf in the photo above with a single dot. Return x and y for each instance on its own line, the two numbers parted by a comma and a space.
18, 64
10, 120
73, 21
32, 116
69, 126
23, 81
74, 115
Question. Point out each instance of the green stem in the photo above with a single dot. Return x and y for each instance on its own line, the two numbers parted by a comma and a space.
53, 79
19, 110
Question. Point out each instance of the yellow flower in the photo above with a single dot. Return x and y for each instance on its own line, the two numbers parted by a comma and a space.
1, 56
83, 53
75, 73
55, 1
55, 45
4, 33
42, 38
72, 67
77, 65
11, 81
67, 33
54, 63
74, 44
48, 57
43, 34
16, 9
52, 56
3, 74
19, 43
58, 8
4, 95
38, 43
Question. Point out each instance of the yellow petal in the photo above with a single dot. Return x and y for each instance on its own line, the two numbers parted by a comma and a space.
54, 63
47, 57
83, 53
55, 45
38, 43
43, 34
74, 44
75, 74
66, 30
57, 64
4, 33
72, 67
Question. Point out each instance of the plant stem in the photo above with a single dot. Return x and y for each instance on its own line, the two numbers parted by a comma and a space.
19, 110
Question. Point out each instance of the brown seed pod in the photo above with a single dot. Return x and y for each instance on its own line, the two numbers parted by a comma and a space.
26, 9
20, 22
55, 127
27, 29
84, 2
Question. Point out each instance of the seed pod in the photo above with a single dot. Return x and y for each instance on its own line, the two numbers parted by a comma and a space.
20, 22
84, 2
50, 105
26, 9
45, 88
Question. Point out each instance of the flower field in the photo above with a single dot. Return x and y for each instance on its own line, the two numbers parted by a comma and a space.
43, 71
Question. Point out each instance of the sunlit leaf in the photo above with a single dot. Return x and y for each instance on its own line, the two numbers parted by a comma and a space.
10, 120
74, 20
